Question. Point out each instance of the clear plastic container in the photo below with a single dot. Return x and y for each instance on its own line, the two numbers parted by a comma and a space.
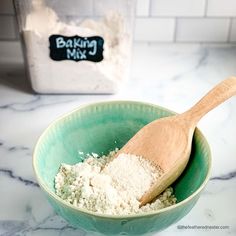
76, 46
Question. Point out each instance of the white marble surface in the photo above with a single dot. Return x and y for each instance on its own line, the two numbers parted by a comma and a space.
174, 76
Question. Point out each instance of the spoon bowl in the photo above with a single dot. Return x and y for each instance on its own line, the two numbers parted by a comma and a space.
156, 142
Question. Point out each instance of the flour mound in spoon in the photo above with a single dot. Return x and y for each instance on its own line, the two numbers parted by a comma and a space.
113, 189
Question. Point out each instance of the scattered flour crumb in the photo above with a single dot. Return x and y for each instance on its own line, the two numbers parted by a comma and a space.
113, 189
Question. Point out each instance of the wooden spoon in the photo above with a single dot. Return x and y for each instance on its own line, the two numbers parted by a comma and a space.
166, 142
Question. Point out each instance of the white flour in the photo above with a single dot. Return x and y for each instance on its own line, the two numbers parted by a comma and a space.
132, 174
110, 189
49, 76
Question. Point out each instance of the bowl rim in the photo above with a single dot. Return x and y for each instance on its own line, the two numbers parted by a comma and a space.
135, 215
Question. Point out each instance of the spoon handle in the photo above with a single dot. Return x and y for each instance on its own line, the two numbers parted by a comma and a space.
220, 93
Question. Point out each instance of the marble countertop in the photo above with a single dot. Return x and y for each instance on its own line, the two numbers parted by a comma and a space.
174, 76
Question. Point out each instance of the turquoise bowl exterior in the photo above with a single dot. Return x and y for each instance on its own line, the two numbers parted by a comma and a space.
100, 128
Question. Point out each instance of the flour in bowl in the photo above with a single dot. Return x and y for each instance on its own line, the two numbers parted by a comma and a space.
113, 189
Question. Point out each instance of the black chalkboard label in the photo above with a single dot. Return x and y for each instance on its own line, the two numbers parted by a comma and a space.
76, 48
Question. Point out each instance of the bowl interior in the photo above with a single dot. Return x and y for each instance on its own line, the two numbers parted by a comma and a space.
100, 128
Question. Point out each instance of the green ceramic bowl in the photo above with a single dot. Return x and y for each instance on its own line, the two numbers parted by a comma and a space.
100, 128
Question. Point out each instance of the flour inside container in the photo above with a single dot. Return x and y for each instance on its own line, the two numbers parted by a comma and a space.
70, 76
